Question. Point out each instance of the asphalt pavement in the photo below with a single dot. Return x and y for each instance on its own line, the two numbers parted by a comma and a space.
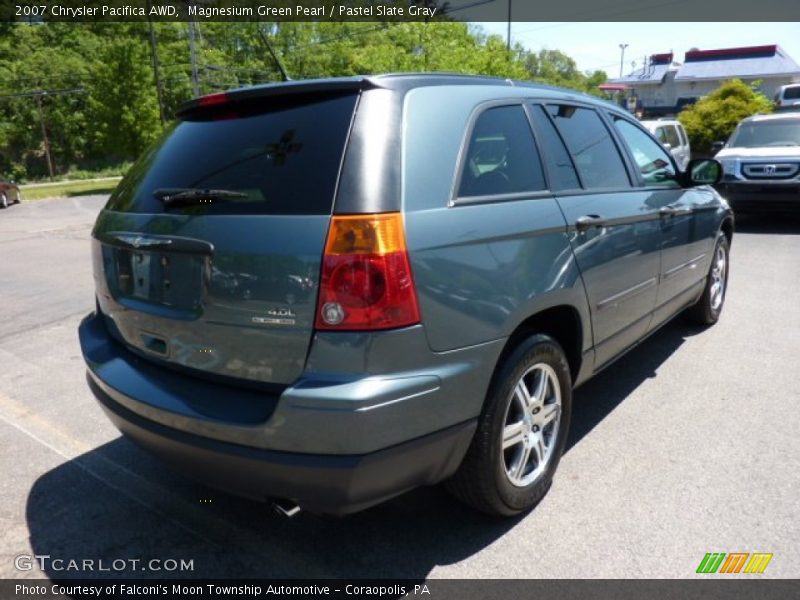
688, 445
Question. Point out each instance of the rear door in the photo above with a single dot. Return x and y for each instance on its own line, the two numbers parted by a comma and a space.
614, 233
225, 283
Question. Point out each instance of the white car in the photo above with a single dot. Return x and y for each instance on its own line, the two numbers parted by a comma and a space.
788, 97
673, 137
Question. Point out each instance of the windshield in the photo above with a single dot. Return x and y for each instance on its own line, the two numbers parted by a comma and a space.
758, 134
280, 157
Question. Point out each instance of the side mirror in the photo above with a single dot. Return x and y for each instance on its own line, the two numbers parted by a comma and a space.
717, 146
703, 171
667, 146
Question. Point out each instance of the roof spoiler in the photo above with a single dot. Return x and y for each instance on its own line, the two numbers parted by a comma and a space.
314, 86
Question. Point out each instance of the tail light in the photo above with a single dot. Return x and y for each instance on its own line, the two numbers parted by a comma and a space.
366, 281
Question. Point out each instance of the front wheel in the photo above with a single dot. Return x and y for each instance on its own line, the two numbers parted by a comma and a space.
3, 200
522, 432
709, 307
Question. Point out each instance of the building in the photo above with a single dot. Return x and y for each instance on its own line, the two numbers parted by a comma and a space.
663, 86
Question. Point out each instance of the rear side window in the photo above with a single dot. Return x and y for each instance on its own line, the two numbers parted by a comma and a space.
594, 152
282, 155
501, 155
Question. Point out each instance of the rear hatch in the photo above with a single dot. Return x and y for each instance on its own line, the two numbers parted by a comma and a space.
207, 256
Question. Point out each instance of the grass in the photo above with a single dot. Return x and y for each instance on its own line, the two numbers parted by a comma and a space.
67, 189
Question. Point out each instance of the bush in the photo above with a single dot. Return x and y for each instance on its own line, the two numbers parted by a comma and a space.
714, 117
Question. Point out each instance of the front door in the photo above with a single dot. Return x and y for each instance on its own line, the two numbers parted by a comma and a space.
687, 226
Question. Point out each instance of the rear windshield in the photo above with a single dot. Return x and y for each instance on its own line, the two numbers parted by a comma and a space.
767, 133
282, 161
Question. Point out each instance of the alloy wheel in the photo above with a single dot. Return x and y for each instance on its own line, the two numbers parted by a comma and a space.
719, 278
531, 425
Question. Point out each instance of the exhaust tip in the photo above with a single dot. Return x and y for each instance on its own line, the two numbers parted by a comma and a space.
286, 508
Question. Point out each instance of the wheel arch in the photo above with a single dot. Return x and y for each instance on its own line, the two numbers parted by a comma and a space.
727, 228
563, 323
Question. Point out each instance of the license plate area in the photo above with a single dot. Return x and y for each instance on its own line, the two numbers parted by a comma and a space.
158, 278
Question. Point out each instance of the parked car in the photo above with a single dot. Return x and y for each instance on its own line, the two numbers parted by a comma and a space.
673, 137
788, 97
761, 164
9, 193
446, 258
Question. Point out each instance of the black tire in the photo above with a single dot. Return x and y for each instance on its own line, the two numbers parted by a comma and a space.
3, 200
708, 308
483, 481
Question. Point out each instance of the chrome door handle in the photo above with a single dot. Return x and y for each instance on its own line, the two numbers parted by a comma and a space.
673, 211
588, 221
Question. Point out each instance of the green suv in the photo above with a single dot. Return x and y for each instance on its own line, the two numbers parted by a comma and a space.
325, 293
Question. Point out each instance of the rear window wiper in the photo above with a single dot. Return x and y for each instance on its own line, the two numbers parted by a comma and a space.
181, 196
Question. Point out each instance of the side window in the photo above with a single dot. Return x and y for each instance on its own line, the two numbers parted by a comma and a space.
565, 176
671, 137
501, 155
661, 135
594, 152
682, 134
653, 160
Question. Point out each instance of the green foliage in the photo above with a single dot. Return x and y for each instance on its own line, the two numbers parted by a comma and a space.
123, 106
553, 67
105, 109
714, 117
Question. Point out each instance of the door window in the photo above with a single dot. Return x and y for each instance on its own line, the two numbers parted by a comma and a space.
653, 161
501, 155
564, 170
594, 152
671, 136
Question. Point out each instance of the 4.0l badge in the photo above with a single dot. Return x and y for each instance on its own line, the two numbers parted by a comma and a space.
277, 316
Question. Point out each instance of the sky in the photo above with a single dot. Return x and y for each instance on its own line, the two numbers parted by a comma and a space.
595, 46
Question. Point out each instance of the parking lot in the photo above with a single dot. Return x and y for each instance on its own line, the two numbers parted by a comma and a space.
686, 446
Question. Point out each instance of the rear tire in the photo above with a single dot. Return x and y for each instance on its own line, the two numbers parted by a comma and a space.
709, 307
515, 452
3, 200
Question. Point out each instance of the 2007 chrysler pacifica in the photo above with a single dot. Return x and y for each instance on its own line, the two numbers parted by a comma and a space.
329, 292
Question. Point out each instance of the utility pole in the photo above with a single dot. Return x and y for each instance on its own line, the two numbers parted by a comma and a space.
508, 31
193, 56
44, 134
621, 57
156, 68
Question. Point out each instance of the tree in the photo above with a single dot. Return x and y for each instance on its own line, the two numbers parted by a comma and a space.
715, 116
123, 104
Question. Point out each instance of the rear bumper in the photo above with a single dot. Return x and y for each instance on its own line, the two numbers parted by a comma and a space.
332, 442
325, 484
762, 196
